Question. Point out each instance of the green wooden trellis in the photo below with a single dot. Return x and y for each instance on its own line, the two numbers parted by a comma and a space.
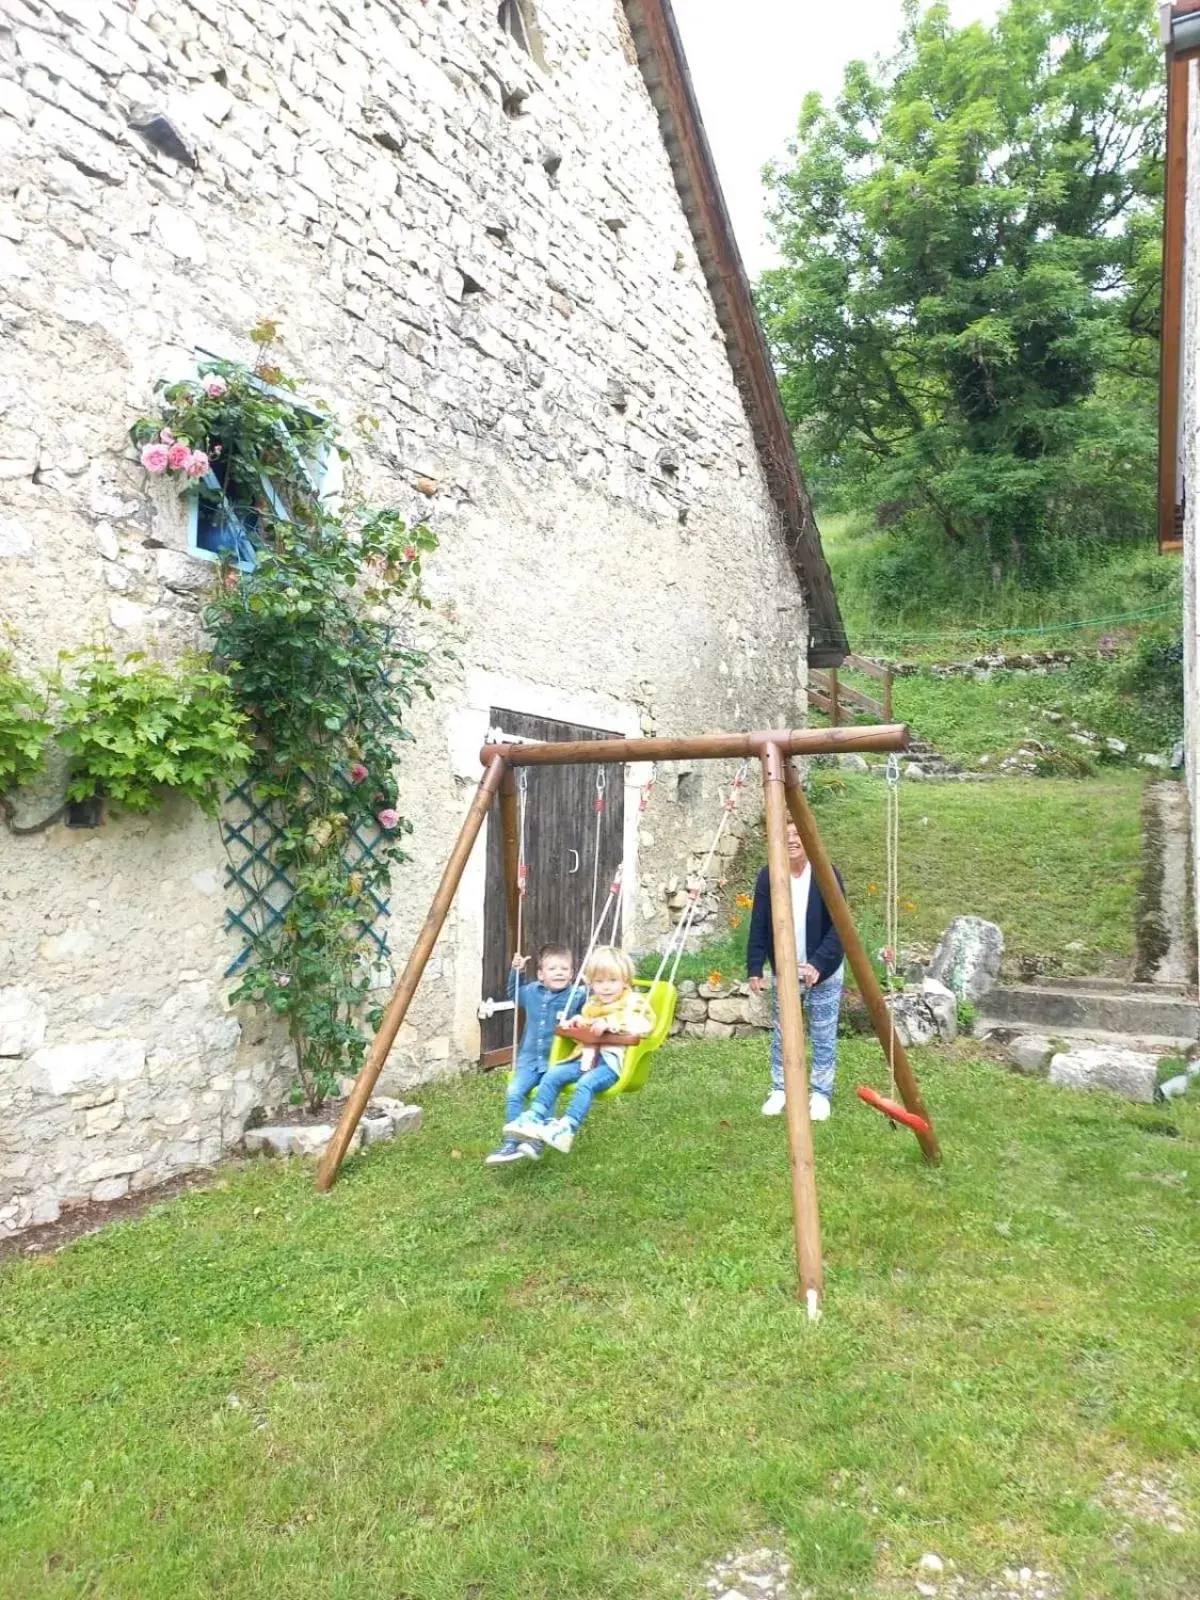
259, 891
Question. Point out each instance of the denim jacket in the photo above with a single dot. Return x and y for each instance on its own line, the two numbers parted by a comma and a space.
542, 1008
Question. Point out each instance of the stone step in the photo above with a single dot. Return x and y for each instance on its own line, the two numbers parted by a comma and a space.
1120, 986
1136, 1012
1161, 1044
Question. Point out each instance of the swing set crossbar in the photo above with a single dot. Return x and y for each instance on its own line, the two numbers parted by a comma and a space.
888, 737
783, 799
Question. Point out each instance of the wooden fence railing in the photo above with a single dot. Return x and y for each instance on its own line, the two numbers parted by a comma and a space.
841, 703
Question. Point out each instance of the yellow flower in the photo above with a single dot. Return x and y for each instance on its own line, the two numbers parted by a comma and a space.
910, 905
714, 978
872, 888
735, 922
745, 901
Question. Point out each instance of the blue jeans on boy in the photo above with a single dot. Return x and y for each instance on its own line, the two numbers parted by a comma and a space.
587, 1086
821, 1005
526, 1075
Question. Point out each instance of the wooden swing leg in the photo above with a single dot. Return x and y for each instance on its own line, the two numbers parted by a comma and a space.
864, 972
806, 1218
411, 976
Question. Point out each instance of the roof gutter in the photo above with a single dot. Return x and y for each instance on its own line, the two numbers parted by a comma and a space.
1179, 25
664, 69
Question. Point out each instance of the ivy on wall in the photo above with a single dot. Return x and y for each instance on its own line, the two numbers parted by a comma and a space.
303, 625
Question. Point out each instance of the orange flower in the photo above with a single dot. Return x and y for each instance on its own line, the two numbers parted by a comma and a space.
872, 888
735, 922
745, 901
714, 978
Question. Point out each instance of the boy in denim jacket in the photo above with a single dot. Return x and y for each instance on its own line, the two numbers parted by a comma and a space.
545, 1003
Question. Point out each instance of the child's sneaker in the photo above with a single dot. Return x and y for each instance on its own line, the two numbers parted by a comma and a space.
773, 1106
526, 1126
510, 1150
560, 1135
819, 1107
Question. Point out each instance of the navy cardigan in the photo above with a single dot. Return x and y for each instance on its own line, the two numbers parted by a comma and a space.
821, 937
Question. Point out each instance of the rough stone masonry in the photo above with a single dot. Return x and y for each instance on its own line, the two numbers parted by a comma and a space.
480, 260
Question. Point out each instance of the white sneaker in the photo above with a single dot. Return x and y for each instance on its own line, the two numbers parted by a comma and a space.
774, 1104
525, 1127
560, 1135
819, 1107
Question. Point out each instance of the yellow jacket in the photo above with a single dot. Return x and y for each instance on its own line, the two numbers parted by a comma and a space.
629, 1013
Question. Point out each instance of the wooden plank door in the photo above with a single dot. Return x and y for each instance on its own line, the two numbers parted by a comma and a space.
560, 848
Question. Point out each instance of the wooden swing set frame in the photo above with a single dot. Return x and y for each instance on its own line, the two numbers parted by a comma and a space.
784, 797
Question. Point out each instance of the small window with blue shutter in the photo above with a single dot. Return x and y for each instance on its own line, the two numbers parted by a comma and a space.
228, 514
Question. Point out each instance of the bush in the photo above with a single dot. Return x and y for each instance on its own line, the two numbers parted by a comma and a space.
24, 730
133, 729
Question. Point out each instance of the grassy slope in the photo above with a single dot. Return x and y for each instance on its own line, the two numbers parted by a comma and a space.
1134, 578
588, 1379
1053, 861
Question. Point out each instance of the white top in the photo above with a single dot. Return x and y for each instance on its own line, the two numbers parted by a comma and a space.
800, 891
800, 888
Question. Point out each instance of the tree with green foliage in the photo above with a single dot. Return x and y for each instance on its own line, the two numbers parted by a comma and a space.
965, 323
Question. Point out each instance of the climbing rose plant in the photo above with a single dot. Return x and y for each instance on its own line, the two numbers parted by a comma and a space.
310, 639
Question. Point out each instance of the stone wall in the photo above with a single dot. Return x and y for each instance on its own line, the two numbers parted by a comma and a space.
483, 266
725, 1010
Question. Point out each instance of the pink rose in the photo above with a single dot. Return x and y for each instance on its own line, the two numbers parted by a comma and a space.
388, 819
167, 436
410, 552
282, 979
215, 387
231, 580
155, 457
358, 772
178, 457
197, 464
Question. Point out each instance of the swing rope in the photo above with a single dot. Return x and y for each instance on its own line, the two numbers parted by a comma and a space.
892, 1109
522, 885
678, 940
601, 783
616, 890
892, 948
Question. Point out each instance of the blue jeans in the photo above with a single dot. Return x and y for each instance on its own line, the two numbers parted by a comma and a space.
587, 1085
526, 1076
821, 1005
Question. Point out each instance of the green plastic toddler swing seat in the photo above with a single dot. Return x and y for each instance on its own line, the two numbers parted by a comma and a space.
635, 1068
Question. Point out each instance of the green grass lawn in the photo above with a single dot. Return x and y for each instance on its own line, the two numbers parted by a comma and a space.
1052, 861
590, 1378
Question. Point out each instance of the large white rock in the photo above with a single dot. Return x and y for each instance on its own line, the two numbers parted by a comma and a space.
1030, 1053
967, 959
913, 1021
942, 1005
1130, 1073
71, 1068
22, 1023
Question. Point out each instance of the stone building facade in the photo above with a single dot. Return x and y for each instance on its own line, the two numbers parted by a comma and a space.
494, 244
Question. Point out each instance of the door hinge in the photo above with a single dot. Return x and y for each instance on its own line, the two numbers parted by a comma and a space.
489, 1007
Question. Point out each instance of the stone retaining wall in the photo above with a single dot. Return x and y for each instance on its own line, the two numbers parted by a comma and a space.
720, 1011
